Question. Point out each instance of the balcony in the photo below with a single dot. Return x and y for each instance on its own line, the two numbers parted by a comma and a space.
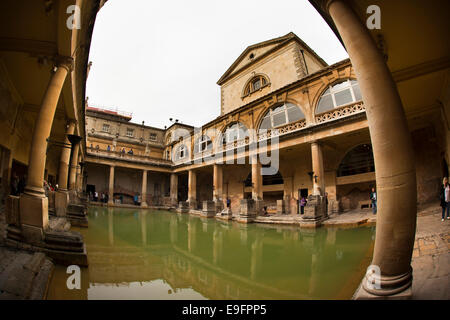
121, 156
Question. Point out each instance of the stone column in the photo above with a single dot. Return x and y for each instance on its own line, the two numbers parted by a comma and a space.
257, 193
65, 158
111, 186
144, 189
73, 167
393, 154
317, 167
218, 183
192, 189
79, 180
34, 203
174, 189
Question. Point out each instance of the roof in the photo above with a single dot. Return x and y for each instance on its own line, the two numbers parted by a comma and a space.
279, 42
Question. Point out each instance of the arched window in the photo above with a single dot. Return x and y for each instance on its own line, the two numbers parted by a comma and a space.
182, 153
255, 84
338, 95
234, 132
356, 161
202, 144
280, 115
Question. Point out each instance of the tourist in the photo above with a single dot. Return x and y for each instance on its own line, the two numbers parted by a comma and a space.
228, 202
326, 203
136, 199
373, 197
95, 196
445, 198
303, 203
108, 148
123, 150
131, 151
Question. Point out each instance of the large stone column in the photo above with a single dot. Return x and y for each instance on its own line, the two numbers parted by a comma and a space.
257, 192
79, 180
111, 186
192, 189
144, 189
63, 172
217, 183
34, 203
393, 154
173, 189
317, 167
73, 167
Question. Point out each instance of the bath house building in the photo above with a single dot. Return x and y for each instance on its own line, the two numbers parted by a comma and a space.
279, 89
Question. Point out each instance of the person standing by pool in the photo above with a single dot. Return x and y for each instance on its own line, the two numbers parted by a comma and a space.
373, 197
303, 202
445, 198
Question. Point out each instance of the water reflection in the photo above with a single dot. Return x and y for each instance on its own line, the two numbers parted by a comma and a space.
162, 255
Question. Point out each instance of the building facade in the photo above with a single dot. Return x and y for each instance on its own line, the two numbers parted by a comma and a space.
278, 89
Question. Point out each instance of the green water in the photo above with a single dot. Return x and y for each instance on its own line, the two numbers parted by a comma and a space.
136, 254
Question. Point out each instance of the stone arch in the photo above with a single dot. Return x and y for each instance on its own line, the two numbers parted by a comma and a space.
359, 159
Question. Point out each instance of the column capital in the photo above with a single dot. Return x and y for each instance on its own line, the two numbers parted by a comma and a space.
64, 62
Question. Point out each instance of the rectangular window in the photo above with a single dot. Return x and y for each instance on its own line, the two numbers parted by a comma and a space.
153, 136
130, 132
105, 127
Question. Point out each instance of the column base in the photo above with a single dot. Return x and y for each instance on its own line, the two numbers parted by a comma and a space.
33, 211
144, 205
76, 214
61, 202
209, 209
362, 294
183, 207
248, 211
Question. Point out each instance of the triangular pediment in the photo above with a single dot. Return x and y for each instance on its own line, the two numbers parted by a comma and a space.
257, 51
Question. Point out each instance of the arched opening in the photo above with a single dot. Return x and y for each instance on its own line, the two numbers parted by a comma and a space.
234, 132
356, 161
281, 115
339, 94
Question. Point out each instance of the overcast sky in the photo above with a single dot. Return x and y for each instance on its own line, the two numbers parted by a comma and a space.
162, 59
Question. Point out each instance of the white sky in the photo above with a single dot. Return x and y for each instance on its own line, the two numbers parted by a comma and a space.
162, 59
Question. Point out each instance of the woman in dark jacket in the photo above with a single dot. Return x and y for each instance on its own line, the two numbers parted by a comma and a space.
445, 198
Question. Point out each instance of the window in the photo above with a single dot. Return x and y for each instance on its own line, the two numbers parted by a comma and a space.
181, 153
255, 84
281, 115
356, 161
105, 127
130, 132
338, 95
202, 144
153, 137
234, 132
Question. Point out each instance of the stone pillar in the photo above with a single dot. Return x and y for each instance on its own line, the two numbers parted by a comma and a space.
257, 193
111, 186
144, 189
65, 158
317, 167
34, 203
79, 180
192, 189
73, 167
218, 187
173, 190
218, 183
393, 155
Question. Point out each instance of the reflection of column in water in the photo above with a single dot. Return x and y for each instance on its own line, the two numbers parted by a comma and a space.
111, 226
144, 228
255, 264
243, 234
314, 275
191, 235
205, 226
173, 229
217, 246
331, 235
